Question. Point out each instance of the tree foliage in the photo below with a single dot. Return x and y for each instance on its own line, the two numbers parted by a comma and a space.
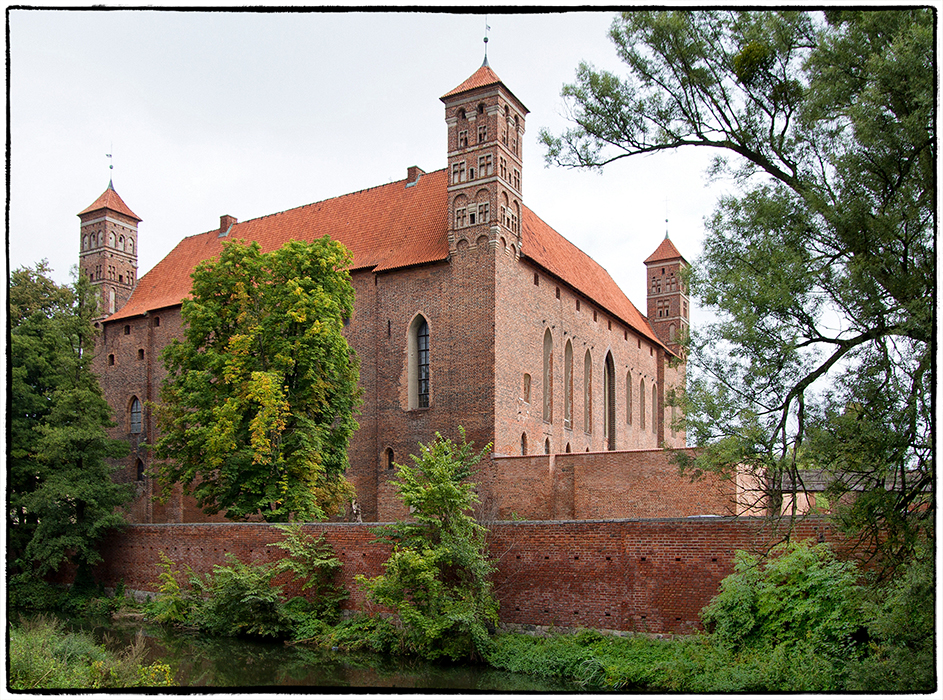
438, 576
61, 497
257, 410
821, 271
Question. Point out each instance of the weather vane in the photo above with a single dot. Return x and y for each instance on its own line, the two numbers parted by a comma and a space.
486, 40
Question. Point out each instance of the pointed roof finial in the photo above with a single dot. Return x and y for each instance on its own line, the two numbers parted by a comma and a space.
111, 166
485, 62
666, 218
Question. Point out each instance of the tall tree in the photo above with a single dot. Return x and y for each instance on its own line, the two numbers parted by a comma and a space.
257, 409
821, 272
61, 496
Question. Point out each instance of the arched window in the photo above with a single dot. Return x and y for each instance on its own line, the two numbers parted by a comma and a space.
523, 443
568, 448
140, 470
111, 239
547, 446
568, 385
641, 404
84, 242
548, 376
588, 393
609, 402
130, 245
655, 409
388, 458
135, 415
628, 398
419, 363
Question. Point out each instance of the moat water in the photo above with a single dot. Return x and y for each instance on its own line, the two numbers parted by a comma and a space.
204, 662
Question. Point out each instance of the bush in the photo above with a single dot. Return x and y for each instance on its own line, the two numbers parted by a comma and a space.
241, 600
902, 630
438, 576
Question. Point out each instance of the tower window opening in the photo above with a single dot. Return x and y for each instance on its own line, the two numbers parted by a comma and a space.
422, 346
463, 139
482, 133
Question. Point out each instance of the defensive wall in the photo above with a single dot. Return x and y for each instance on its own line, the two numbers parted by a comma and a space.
599, 486
636, 575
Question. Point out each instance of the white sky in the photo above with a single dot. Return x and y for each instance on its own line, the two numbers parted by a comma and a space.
211, 113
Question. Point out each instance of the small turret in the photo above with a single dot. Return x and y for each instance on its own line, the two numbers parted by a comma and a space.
108, 249
668, 304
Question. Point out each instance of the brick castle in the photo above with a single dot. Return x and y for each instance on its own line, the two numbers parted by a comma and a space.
470, 310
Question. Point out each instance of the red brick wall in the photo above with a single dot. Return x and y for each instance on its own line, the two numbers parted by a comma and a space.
594, 485
640, 575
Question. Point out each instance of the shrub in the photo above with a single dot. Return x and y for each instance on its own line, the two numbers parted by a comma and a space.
438, 576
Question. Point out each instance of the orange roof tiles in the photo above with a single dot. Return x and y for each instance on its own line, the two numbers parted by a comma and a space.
665, 251
483, 77
385, 228
561, 258
110, 200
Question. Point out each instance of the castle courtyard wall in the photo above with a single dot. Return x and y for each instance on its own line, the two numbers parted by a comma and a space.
633, 575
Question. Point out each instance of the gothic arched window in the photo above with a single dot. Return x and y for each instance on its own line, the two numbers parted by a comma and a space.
588, 393
419, 363
548, 376
135, 415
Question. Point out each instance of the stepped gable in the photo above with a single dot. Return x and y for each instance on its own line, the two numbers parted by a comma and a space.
665, 251
557, 255
384, 227
109, 199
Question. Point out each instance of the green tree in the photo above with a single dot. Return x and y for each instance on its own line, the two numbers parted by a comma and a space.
821, 271
257, 409
438, 576
61, 497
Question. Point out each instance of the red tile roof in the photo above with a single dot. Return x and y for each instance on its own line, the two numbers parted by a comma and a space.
483, 77
110, 200
561, 258
665, 251
385, 228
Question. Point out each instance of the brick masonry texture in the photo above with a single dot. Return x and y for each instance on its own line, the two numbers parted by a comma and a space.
515, 313
634, 575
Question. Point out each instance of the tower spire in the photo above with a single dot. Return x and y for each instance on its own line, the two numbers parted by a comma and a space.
485, 62
111, 167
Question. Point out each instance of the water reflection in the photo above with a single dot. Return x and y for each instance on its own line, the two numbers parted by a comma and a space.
218, 662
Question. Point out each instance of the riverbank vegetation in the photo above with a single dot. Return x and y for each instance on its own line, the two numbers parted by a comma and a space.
43, 654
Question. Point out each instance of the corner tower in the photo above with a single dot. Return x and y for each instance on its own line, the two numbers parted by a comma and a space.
108, 249
485, 133
668, 303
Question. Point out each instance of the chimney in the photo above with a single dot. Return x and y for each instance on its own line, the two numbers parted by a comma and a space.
225, 223
412, 174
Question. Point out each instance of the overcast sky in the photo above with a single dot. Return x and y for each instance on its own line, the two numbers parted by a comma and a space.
211, 113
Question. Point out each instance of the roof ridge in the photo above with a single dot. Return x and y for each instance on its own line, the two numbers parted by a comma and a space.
321, 201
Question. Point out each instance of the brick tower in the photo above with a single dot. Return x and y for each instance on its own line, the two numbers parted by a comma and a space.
667, 296
108, 249
486, 125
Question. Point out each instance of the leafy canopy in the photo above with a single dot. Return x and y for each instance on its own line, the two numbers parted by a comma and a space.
61, 499
821, 271
257, 409
438, 576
